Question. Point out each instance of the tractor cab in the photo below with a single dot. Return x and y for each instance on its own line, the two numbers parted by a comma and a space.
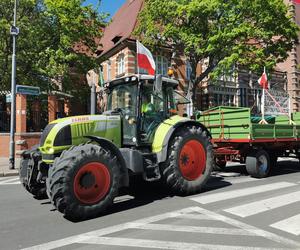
143, 102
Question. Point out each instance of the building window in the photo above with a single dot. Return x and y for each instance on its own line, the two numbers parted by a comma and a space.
188, 70
243, 97
108, 75
121, 64
162, 65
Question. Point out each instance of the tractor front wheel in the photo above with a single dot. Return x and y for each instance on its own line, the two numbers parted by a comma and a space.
189, 162
84, 181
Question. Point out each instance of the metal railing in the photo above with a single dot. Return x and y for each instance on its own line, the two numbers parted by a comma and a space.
36, 121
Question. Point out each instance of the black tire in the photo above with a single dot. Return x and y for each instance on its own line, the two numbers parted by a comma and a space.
63, 187
173, 176
29, 163
258, 164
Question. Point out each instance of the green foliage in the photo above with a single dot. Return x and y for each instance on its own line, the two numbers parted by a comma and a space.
251, 34
50, 31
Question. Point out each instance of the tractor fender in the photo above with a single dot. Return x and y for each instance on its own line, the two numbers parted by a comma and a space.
162, 155
114, 149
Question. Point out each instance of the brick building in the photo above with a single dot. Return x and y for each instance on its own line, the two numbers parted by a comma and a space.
118, 56
32, 115
291, 65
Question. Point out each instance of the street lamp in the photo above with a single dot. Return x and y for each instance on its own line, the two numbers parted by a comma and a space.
14, 31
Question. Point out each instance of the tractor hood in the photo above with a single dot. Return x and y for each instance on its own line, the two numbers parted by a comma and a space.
63, 133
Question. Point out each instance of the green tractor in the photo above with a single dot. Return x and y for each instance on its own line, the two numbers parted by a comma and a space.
83, 161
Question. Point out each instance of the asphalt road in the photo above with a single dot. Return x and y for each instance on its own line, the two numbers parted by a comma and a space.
234, 211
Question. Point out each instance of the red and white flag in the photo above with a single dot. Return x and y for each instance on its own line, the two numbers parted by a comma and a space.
296, 1
263, 80
145, 58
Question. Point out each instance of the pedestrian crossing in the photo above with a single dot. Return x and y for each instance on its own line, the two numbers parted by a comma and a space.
11, 180
226, 195
261, 199
264, 205
149, 232
220, 214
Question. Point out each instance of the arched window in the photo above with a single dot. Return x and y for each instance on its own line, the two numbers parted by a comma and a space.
121, 64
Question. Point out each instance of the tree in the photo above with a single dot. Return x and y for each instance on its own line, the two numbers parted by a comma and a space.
246, 33
57, 42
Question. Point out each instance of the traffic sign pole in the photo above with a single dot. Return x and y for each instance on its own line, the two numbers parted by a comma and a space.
14, 32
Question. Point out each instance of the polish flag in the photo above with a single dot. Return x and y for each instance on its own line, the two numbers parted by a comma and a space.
263, 80
145, 58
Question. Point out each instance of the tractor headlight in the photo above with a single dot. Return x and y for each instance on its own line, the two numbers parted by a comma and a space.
50, 150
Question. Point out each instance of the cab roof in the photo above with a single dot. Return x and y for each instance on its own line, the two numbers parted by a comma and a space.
136, 77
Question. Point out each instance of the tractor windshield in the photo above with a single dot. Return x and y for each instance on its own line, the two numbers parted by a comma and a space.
123, 97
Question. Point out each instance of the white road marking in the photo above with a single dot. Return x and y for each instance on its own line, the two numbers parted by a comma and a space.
6, 178
264, 205
105, 231
193, 229
96, 237
241, 180
228, 174
226, 195
290, 225
158, 244
14, 180
195, 217
247, 227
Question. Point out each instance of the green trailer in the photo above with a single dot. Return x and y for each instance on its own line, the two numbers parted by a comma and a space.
238, 136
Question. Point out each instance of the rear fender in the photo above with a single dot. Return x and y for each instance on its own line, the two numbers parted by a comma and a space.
114, 149
161, 149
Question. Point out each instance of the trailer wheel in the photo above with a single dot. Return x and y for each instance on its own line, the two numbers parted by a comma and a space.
189, 162
84, 181
258, 164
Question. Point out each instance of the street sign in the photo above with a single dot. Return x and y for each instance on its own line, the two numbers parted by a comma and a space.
14, 31
8, 98
27, 90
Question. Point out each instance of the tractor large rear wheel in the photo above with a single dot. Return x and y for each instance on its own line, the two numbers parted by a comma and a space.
84, 181
189, 162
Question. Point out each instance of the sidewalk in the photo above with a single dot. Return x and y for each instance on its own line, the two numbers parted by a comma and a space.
4, 167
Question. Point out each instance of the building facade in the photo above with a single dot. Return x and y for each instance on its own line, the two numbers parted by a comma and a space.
118, 56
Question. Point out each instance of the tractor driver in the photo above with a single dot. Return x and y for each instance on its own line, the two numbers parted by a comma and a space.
147, 106
148, 113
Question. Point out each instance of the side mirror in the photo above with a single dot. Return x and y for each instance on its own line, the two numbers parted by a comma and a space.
158, 84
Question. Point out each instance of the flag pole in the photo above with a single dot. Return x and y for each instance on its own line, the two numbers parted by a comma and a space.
137, 58
263, 121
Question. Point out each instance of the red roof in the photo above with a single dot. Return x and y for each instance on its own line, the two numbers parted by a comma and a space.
122, 25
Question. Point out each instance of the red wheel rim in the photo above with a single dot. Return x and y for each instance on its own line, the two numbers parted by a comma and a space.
192, 160
91, 182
